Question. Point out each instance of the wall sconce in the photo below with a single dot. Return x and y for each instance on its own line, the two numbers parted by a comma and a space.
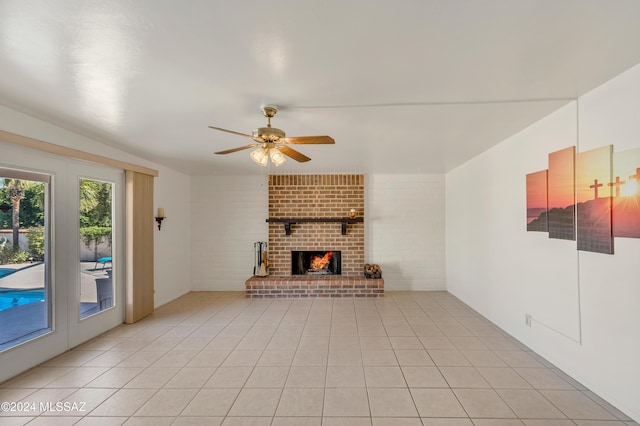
160, 217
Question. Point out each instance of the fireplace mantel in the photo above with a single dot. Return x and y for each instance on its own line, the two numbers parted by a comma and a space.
291, 220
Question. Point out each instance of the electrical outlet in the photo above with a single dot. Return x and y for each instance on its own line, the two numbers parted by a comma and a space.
527, 320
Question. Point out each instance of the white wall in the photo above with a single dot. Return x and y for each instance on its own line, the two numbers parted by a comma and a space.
585, 306
404, 230
228, 215
171, 248
172, 243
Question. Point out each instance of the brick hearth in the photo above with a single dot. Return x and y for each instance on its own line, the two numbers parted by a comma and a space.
319, 286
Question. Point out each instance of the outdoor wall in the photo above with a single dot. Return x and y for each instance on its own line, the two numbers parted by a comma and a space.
584, 306
6, 237
88, 253
91, 253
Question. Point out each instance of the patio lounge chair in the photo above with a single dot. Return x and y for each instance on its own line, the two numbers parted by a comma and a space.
104, 293
104, 261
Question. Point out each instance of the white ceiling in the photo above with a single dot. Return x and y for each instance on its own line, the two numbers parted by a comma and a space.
403, 86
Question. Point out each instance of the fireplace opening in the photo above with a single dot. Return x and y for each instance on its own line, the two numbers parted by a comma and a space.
316, 263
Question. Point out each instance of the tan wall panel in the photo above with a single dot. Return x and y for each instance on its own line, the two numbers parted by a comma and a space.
140, 222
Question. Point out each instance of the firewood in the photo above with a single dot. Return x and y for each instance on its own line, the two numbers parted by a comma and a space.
372, 271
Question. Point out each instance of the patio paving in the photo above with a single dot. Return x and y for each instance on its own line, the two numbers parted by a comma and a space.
24, 322
29, 276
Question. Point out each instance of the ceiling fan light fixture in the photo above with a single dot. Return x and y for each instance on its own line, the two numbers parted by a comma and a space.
272, 143
277, 157
260, 156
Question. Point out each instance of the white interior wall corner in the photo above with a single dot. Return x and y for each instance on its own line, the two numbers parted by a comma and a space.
585, 305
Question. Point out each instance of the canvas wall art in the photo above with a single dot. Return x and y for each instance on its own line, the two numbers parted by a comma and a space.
561, 194
591, 197
593, 190
537, 202
626, 194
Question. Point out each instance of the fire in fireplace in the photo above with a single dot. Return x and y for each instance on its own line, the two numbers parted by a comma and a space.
316, 263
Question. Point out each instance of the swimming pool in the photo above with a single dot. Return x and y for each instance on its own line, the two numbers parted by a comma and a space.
13, 298
6, 271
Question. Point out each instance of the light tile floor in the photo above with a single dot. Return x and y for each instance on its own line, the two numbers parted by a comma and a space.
411, 358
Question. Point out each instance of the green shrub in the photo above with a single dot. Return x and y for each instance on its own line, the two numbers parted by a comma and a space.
19, 256
96, 234
8, 254
36, 242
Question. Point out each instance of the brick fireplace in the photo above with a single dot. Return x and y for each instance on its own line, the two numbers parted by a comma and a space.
322, 204
316, 196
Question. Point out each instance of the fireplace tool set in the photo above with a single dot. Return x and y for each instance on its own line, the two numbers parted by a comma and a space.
261, 265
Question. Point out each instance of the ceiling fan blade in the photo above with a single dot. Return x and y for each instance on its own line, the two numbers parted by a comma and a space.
255, 138
308, 140
229, 151
290, 152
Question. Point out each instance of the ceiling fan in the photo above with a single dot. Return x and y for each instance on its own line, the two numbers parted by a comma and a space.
273, 143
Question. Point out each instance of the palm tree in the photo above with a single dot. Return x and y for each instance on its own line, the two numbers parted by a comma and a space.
16, 193
95, 212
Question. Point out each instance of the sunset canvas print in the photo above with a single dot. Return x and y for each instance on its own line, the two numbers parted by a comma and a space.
626, 194
593, 175
591, 197
537, 201
561, 194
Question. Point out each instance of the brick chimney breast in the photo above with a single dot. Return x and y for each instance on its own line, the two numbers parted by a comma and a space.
316, 196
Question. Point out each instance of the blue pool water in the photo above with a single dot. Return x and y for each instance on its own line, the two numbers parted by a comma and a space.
6, 271
11, 299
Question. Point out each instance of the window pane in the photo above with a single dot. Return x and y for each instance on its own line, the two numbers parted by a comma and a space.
96, 247
24, 291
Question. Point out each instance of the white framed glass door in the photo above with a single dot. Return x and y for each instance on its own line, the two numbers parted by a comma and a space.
48, 336
96, 298
25, 284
